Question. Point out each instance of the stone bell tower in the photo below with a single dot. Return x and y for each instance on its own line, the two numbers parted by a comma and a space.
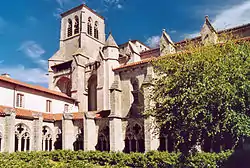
77, 61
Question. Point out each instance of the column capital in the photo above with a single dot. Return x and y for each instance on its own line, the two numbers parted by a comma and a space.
9, 111
37, 115
67, 116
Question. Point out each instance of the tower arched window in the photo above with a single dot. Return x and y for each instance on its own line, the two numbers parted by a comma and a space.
69, 31
96, 35
90, 26
76, 25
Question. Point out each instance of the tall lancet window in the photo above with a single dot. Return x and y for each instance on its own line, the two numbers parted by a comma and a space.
76, 25
69, 32
96, 35
90, 26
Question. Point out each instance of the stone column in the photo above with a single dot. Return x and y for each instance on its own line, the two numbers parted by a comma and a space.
151, 135
90, 134
68, 137
115, 123
116, 138
37, 127
9, 130
150, 132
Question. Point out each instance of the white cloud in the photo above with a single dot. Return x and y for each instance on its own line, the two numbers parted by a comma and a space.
31, 75
119, 6
61, 2
113, 3
172, 31
57, 13
231, 16
34, 51
153, 41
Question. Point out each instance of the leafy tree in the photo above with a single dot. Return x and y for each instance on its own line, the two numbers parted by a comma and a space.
203, 93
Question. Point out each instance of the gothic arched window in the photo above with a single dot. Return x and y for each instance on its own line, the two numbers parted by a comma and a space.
76, 25
103, 140
22, 138
46, 139
90, 26
166, 141
78, 144
58, 140
134, 141
96, 35
69, 30
92, 93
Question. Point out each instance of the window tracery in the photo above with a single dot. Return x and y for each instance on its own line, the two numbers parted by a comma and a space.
76, 25
134, 140
96, 33
89, 28
69, 30
22, 138
46, 139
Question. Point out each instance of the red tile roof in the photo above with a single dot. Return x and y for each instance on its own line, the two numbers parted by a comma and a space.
237, 28
34, 87
77, 116
58, 117
25, 113
147, 60
144, 61
149, 53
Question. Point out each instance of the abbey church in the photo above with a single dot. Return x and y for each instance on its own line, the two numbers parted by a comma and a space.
97, 91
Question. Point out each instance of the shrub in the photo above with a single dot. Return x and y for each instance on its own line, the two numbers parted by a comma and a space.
93, 159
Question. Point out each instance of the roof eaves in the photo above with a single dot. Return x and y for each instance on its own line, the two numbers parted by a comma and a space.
79, 7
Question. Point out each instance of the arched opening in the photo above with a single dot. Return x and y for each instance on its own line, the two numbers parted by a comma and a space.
22, 138
69, 30
46, 139
134, 141
58, 141
96, 33
78, 144
76, 25
89, 28
166, 142
64, 85
103, 140
92, 93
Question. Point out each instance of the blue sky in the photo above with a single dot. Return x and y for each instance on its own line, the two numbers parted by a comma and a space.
29, 29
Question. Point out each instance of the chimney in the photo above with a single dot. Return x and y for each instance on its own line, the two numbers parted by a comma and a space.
6, 75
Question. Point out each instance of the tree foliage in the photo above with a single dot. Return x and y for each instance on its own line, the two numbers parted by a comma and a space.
203, 93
